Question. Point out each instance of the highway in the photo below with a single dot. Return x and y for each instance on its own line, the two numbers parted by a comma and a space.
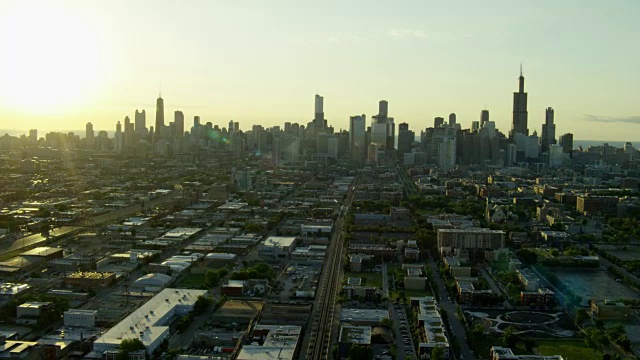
324, 307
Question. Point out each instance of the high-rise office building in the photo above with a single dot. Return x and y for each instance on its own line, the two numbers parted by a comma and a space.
33, 135
406, 138
159, 129
319, 123
118, 138
484, 117
452, 119
140, 122
548, 131
89, 136
178, 120
438, 122
520, 114
383, 108
383, 128
358, 137
566, 141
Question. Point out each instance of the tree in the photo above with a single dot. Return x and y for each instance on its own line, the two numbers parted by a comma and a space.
211, 278
437, 353
581, 317
386, 322
202, 304
359, 352
129, 345
509, 338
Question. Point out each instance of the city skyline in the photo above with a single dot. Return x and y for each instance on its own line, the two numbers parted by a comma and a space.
430, 60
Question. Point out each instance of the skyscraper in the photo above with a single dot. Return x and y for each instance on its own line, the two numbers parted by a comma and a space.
484, 117
357, 137
566, 141
548, 131
452, 119
406, 138
318, 119
438, 122
520, 114
89, 136
118, 138
383, 108
159, 120
178, 119
140, 122
33, 135
383, 128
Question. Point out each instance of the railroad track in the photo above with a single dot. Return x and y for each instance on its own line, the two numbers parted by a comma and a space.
323, 315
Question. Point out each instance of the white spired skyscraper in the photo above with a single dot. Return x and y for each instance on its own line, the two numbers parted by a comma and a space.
358, 137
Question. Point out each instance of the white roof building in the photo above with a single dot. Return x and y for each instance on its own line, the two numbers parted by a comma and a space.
280, 342
148, 322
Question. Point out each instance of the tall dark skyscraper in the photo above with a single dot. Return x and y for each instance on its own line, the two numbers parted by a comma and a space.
548, 131
438, 122
90, 136
484, 117
357, 137
140, 122
566, 141
159, 120
179, 124
383, 109
520, 114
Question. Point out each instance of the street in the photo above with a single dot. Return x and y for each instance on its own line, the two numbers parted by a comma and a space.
447, 305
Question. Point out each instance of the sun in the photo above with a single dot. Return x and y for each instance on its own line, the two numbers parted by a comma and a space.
50, 59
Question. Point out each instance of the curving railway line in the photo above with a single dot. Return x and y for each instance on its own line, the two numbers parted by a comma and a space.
323, 315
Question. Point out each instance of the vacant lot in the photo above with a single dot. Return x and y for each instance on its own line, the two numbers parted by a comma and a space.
568, 349
594, 284
368, 278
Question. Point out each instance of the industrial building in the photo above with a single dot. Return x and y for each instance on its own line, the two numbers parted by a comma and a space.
149, 323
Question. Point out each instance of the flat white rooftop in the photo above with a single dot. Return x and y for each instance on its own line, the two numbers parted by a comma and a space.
147, 322
279, 241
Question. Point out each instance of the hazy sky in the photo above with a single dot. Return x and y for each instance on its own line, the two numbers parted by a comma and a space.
64, 63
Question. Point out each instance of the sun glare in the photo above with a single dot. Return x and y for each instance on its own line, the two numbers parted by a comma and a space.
50, 59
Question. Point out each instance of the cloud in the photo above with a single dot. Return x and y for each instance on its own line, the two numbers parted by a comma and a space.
605, 119
407, 33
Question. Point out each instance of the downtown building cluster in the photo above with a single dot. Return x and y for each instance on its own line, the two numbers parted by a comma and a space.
445, 144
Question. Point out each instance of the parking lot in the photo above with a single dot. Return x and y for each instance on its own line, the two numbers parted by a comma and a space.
404, 342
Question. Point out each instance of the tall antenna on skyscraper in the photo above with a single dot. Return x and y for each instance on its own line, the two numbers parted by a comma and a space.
520, 68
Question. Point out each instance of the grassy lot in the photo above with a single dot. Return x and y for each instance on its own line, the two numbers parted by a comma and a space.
191, 281
368, 278
393, 294
569, 349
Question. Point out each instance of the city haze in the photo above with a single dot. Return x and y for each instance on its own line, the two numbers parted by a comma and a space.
261, 63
